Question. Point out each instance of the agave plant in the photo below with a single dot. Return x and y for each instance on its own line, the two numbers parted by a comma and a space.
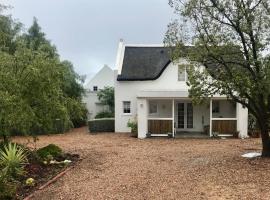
12, 160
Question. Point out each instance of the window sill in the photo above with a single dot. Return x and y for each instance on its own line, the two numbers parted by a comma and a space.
126, 114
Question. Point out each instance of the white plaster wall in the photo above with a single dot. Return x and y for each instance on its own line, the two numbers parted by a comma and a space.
128, 90
105, 77
242, 120
142, 106
92, 104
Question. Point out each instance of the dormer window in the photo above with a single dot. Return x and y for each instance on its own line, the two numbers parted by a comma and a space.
95, 88
182, 73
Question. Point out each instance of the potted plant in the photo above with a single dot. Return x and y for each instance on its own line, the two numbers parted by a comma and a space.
134, 127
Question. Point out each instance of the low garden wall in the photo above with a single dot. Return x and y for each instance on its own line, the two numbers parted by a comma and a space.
101, 125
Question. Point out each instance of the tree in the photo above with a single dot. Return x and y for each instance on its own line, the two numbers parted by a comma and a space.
9, 31
230, 39
73, 92
37, 88
106, 97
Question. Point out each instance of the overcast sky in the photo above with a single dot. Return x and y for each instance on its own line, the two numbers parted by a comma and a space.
87, 32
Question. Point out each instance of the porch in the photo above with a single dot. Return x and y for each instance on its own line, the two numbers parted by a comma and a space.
178, 117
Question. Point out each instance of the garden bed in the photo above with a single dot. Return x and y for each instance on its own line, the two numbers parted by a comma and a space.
23, 170
42, 173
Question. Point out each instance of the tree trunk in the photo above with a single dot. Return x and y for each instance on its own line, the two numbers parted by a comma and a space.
5, 138
265, 143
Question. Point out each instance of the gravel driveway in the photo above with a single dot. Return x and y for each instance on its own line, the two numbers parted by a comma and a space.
116, 166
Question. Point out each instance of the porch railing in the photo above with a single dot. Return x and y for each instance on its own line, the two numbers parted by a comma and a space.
160, 126
224, 126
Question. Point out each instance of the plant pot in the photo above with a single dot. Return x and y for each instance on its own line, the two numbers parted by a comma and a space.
134, 133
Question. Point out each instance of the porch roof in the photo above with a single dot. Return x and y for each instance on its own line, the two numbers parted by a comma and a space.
163, 94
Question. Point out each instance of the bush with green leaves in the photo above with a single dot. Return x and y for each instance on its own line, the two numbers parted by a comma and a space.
106, 97
134, 127
101, 125
37, 87
7, 188
12, 160
51, 151
104, 114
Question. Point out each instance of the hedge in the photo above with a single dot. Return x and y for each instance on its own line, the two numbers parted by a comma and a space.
101, 125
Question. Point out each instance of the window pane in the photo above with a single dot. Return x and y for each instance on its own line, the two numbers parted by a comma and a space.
215, 106
181, 115
153, 107
181, 73
189, 115
95, 88
126, 107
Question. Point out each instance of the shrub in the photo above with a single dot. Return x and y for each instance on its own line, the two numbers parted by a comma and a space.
49, 151
12, 160
101, 125
134, 127
7, 188
104, 114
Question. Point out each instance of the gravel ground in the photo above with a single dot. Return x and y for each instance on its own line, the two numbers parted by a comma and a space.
117, 166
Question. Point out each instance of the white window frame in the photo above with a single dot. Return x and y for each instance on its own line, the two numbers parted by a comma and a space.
123, 108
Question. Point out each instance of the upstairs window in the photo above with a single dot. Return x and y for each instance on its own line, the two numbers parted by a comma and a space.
95, 88
126, 107
182, 73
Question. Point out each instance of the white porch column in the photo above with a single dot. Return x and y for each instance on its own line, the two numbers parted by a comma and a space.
142, 113
210, 124
242, 120
173, 118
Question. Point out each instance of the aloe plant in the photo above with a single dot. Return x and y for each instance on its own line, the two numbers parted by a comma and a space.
12, 160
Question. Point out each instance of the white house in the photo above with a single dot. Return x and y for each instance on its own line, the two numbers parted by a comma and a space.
104, 78
151, 89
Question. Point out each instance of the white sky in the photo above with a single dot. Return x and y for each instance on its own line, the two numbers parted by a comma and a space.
87, 32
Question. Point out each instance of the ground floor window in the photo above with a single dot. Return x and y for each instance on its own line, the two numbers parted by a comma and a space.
153, 107
215, 106
126, 107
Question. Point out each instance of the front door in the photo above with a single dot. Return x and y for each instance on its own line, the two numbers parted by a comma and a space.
184, 115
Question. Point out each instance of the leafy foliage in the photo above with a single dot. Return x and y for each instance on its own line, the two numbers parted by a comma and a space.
12, 160
7, 188
106, 97
101, 125
36, 86
230, 40
133, 124
49, 150
104, 114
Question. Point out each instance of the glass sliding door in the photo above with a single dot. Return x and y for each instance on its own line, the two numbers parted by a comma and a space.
181, 115
189, 115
